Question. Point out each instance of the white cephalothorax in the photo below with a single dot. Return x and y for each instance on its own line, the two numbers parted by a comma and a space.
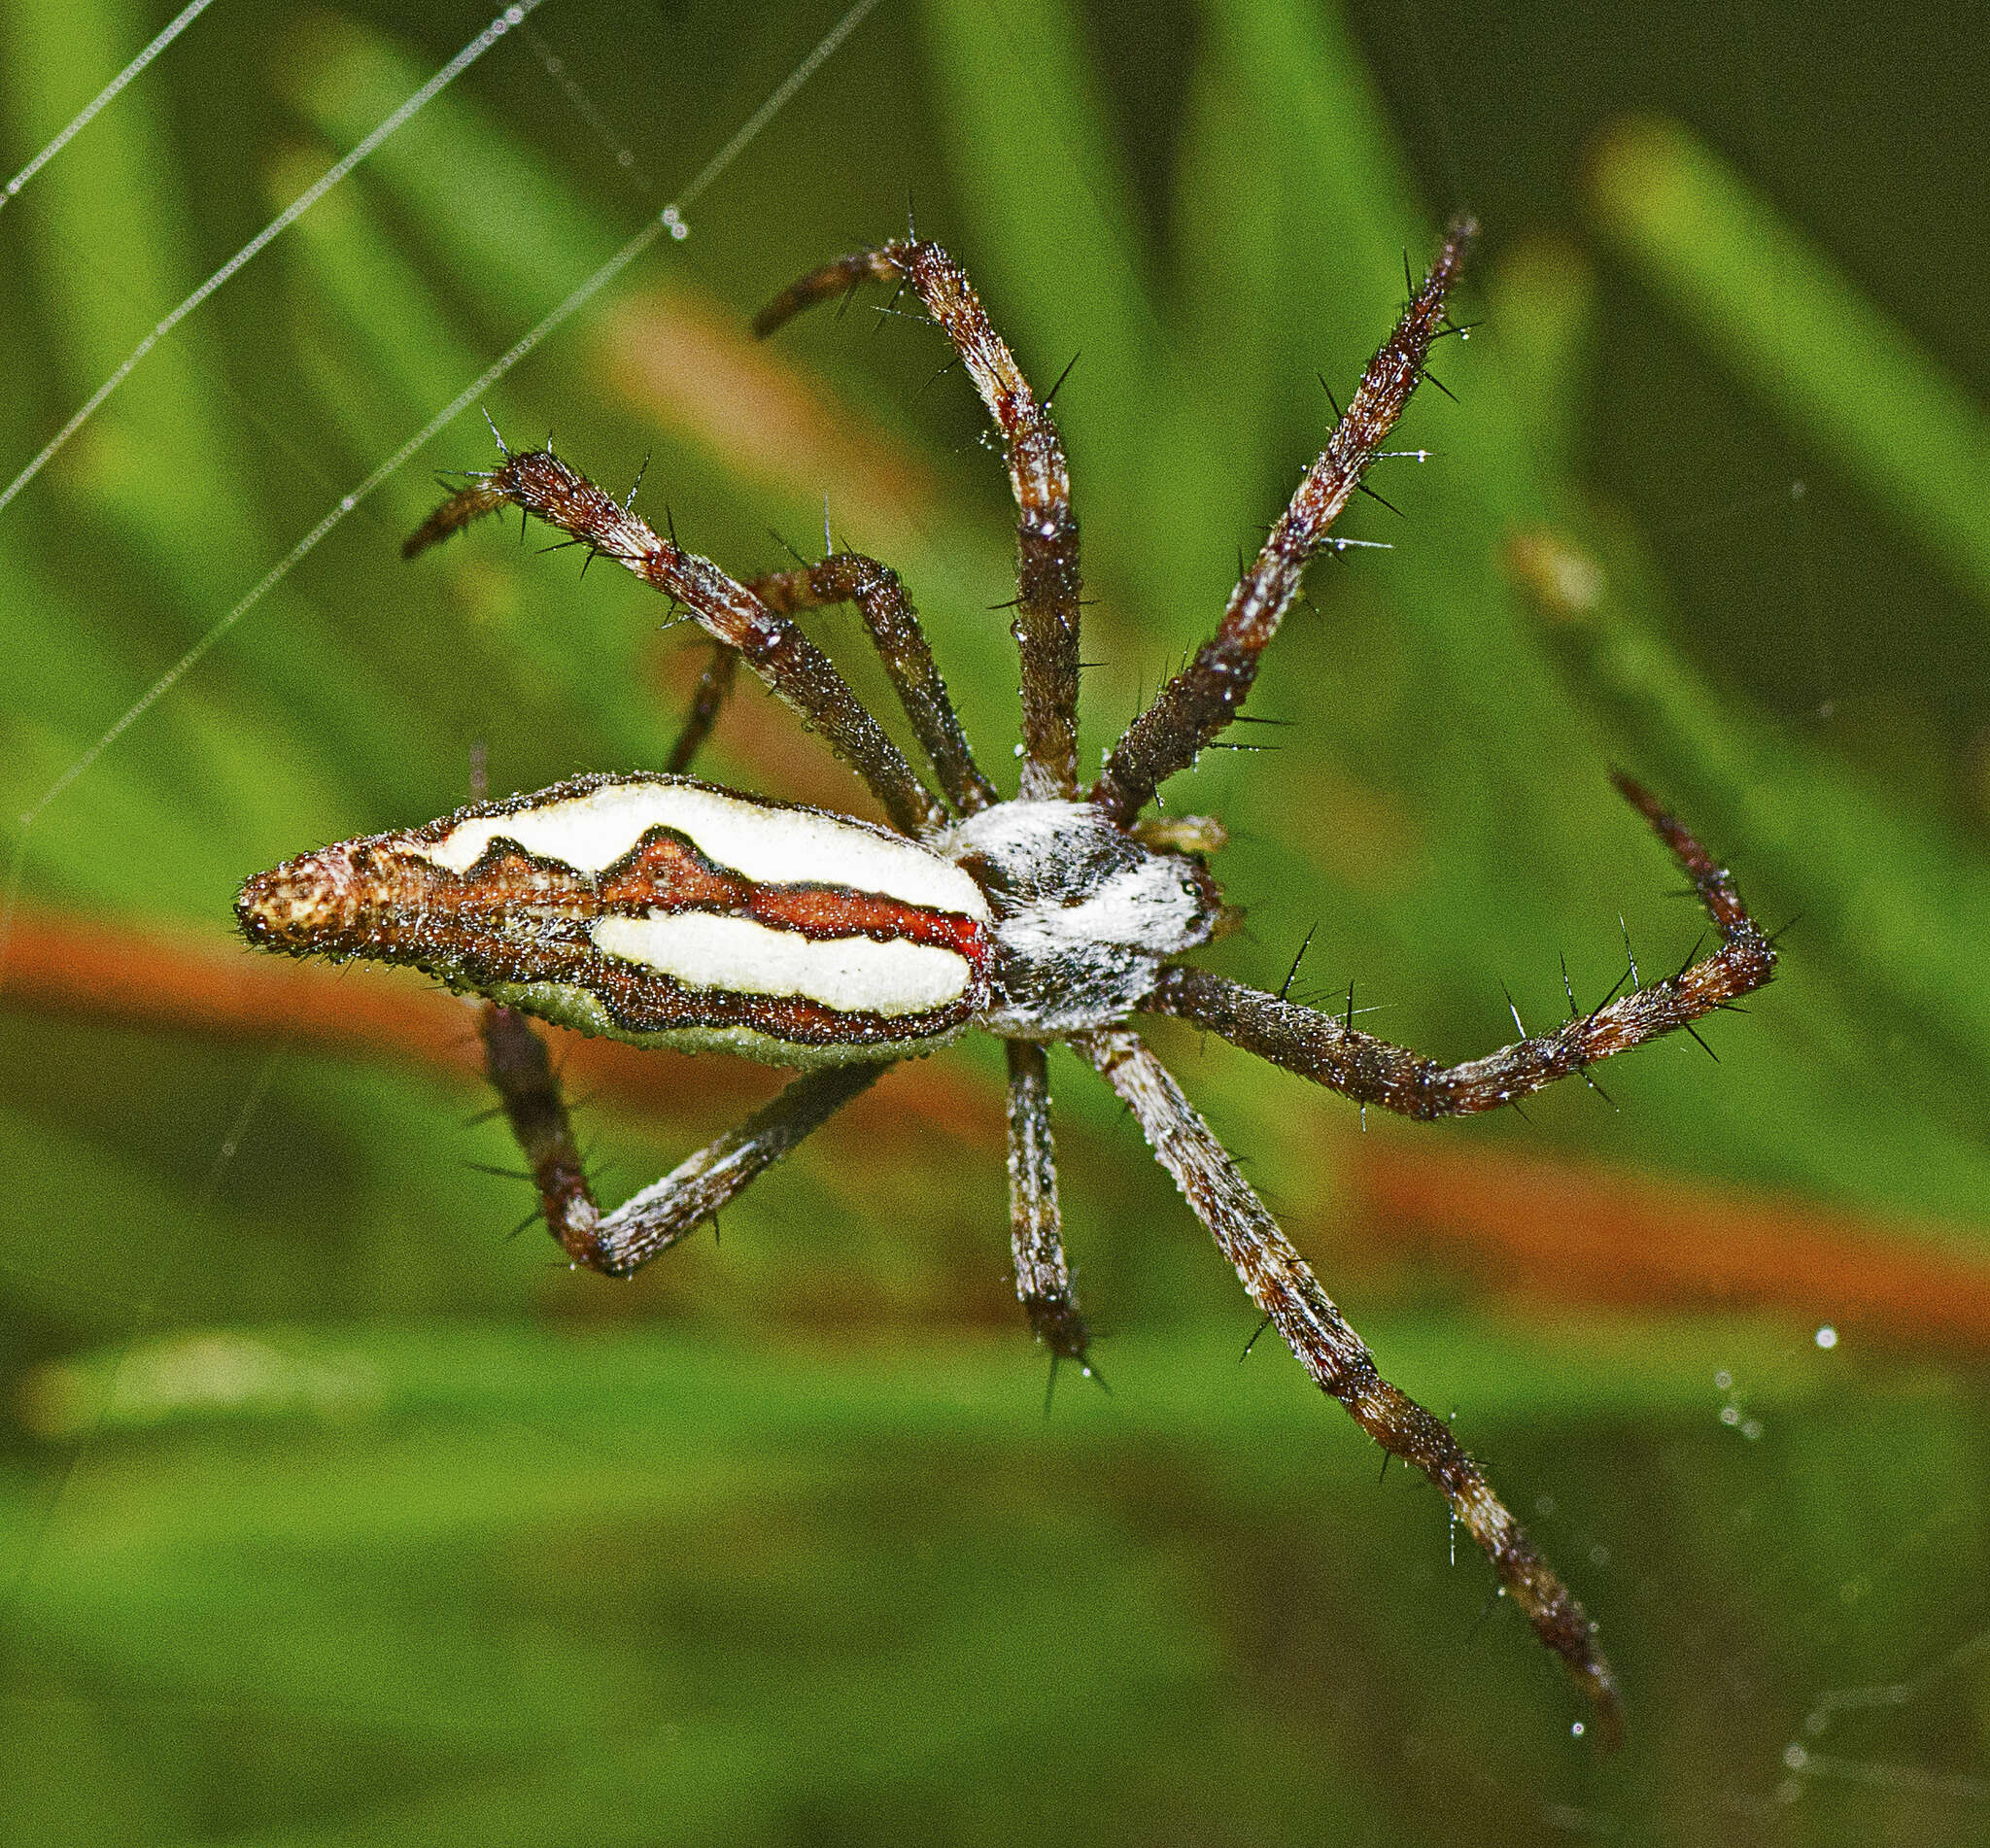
1085, 915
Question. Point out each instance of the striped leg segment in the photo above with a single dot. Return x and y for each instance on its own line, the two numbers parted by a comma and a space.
1047, 606
849, 577
1331, 1051
1284, 1287
791, 665
1043, 1278
1206, 694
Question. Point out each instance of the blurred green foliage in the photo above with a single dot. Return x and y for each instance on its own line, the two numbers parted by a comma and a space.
329, 1517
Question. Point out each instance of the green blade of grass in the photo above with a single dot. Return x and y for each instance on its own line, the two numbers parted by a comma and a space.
157, 468
1795, 331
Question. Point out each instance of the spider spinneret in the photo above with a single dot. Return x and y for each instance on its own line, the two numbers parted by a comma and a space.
668, 911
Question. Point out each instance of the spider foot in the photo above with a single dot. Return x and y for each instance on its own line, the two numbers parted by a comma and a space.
1054, 1320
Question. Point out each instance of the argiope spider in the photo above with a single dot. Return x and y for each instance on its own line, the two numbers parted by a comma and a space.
666, 911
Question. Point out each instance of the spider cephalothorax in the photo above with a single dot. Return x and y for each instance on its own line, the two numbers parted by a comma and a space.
666, 911
1084, 915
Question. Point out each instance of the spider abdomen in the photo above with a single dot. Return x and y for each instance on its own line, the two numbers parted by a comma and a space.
660, 910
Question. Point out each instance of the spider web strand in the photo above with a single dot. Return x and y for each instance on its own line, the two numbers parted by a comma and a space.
513, 16
88, 112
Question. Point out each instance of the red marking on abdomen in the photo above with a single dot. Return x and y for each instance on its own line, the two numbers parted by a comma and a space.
667, 874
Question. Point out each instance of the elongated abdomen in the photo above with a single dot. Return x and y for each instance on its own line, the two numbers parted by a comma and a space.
662, 912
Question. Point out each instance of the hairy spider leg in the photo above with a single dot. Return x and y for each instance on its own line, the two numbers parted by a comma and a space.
694, 1191
519, 1067
774, 646
715, 683
1043, 1278
893, 623
1047, 631
894, 628
1205, 697
1046, 601
1332, 1051
1284, 1287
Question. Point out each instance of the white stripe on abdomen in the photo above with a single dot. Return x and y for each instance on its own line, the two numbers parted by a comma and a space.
768, 846
854, 975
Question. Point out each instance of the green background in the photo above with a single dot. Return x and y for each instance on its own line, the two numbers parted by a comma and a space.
330, 1516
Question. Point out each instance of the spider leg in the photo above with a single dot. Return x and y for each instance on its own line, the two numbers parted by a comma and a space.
1047, 602
520, 1068
791, 665
893, 624
1205, 696
651, 1221
1043, 1278
708, 698
894, 627
1332, 1051
1284, 1286
666, 1210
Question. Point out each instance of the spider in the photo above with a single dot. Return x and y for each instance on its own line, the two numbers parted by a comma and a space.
664, 910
